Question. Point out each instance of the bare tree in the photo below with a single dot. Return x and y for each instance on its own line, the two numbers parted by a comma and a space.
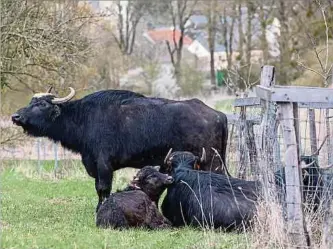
212, 13
284, 43
227, 30
180, 13
251, 8
128, 14
239, 18
42, 42
241, 37
265, 15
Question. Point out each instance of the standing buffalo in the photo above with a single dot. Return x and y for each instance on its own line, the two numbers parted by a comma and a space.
114, 129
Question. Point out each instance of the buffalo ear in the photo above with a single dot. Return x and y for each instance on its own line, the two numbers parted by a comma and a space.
197, 163
157, 167
197, 166
203, 156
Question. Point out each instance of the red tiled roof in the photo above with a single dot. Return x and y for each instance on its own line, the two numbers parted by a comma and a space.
167, 35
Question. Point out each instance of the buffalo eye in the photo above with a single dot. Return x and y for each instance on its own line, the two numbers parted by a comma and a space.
43, 104
151, 178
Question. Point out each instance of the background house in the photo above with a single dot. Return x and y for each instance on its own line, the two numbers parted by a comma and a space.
157, 40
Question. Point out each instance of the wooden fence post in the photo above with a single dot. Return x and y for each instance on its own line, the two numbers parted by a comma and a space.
268, 135
313, 134
329, 137
242, 132
252, 148
327, 237
295, 219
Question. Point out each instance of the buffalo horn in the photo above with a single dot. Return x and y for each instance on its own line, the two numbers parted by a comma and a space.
167, 156
157, 167
305, 166
50, 89
203, 156
64, 99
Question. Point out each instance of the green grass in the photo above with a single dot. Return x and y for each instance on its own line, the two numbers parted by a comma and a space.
41, 210
225, 105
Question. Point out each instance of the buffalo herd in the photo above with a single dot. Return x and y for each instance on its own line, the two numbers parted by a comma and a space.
114, 129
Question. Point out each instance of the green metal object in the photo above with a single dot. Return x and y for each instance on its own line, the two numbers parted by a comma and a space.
220, 78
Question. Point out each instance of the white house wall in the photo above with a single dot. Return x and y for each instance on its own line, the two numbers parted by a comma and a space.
197, 49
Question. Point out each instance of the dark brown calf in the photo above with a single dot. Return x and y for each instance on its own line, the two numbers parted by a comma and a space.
136, 206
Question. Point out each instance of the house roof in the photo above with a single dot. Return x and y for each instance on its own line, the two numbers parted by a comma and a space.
199, 19
202, 38
166, 34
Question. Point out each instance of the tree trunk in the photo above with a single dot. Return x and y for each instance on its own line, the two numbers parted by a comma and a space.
284, 45
239, 82
229, 44
263, 40
248, 44
211, 38
240, 34
248, 47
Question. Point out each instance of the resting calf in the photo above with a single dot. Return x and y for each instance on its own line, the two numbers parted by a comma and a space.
136, 206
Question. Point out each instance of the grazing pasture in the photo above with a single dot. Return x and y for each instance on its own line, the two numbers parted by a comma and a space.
39, 210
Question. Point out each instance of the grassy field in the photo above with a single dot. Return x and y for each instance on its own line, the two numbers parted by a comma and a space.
41, 210
225, 105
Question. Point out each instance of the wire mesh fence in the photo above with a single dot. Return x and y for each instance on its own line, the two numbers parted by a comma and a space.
313, 139
41, 151
240, 150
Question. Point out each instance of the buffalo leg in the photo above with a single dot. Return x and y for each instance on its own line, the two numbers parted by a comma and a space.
103, 182
155, 220
91, 167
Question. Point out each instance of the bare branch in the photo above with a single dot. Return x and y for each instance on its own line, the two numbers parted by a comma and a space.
171, 52
323, 142
322, 10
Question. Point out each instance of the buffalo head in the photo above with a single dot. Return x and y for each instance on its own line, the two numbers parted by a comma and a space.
42, 110
151, 181
183, 159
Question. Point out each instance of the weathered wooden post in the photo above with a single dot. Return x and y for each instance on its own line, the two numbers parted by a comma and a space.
267, 134
288, 118
251, 147
286, 99
242, 132
313, 134
327, 237
329, 137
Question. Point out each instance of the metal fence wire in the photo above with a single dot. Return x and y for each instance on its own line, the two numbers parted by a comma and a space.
315, 149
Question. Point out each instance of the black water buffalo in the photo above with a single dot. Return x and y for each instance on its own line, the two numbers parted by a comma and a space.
207, 199
113, 129
136, 205
312, 183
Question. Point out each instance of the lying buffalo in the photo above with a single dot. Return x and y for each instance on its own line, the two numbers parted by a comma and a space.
113, 129
136, 206
206, 199
312, 182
